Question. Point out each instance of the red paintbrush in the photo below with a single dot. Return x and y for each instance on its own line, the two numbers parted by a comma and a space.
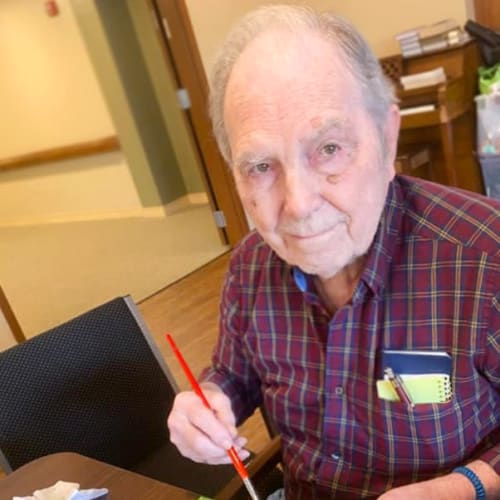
233, 455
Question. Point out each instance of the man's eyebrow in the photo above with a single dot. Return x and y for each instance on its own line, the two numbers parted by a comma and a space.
329, 125
247, 158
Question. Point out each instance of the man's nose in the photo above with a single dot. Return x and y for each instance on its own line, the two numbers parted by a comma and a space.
300, 193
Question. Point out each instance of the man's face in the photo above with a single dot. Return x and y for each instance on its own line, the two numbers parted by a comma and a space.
307, 158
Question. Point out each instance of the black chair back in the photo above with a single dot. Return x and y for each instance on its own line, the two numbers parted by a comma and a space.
91, 385
96, 385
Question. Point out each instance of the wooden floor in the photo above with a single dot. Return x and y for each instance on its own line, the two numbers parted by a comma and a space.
188, 310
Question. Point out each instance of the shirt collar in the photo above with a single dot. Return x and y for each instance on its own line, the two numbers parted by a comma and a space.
386, 239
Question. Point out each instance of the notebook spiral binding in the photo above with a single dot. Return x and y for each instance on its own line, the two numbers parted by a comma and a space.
445, 391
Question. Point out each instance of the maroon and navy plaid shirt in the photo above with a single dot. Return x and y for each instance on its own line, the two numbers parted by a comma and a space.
431, 283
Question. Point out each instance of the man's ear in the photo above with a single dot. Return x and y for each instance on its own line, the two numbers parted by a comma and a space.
391, 132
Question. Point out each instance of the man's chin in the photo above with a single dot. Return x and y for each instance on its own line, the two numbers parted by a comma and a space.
320, 263
325, 267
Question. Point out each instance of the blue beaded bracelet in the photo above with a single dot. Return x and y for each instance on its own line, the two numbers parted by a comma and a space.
476, 482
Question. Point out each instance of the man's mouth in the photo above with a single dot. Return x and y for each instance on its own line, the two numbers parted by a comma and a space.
309, 236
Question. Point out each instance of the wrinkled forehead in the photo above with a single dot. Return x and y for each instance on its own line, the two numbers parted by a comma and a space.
289, 77
280, 62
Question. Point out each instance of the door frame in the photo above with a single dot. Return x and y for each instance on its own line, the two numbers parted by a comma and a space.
182, 55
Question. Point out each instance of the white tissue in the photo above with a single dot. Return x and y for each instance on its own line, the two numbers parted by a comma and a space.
63, 490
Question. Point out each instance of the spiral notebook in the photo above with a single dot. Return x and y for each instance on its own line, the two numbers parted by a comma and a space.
426, 375
430, 388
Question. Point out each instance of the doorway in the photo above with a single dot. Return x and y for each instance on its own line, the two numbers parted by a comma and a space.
159, 66
181, 53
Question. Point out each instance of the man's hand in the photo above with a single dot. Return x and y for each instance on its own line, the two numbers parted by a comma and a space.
201, 434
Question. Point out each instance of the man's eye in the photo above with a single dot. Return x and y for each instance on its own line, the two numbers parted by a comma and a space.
262, 167
330, 149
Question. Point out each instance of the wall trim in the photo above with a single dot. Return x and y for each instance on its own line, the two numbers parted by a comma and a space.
198, 198
185, 202
87, 148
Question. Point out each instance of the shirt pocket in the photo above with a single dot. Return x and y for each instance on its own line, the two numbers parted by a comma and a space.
399, 439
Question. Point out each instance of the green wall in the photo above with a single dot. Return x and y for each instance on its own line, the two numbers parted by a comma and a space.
116, 54
140, 94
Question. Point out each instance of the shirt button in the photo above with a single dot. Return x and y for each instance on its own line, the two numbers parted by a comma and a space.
335, 456
339, 390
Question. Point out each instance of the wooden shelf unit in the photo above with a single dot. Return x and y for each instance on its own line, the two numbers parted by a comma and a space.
450, 129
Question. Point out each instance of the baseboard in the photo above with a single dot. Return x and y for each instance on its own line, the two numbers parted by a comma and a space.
198, 198
171, 208
185, 202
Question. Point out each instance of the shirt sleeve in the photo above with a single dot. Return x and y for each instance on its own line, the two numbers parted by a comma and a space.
492, 373
231, 368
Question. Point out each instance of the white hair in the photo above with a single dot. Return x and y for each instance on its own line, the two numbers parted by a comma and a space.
377, 90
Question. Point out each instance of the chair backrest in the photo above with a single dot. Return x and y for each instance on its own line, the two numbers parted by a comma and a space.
95, 385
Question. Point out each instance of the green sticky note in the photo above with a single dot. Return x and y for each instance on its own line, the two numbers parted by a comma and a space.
386, 391
425, 388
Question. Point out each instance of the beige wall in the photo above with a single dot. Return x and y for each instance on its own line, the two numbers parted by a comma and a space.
378, 20
49, 97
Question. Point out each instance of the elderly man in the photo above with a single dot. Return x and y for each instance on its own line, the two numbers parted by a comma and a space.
348, 264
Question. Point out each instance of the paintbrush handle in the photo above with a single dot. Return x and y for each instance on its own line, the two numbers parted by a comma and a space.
233, 455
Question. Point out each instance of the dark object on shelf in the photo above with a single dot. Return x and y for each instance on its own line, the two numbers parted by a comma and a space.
392, 67
488, 41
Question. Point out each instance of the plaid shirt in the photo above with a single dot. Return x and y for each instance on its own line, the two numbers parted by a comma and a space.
431, 283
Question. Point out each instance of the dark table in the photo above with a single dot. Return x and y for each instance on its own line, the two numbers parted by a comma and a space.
89, 473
